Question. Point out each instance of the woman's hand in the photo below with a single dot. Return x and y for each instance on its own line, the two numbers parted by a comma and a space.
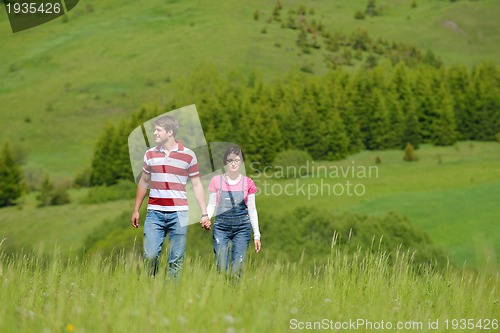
206, 223
257, 245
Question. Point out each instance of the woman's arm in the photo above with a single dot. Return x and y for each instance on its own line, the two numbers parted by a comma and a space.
254, 218
212, 202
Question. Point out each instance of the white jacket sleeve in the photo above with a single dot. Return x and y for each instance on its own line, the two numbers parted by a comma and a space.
212, 202
254, 218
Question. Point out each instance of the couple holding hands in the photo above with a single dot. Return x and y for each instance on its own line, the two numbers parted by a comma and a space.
166, 169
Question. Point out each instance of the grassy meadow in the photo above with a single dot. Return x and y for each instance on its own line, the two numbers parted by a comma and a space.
115, 294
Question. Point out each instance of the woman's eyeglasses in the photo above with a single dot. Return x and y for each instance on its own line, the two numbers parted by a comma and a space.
238, 161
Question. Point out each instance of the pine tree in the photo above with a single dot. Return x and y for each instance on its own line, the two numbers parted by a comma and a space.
349, 118
426, 105
336, 140
484, 102
458, 83
290, 111
263, 139
411, 133
359, 91
378, 131
103, 163
401, 85
396, 121
122, 166
313, 130
445, 130
11, 178
288, 117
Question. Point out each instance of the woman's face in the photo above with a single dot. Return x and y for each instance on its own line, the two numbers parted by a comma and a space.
233, 163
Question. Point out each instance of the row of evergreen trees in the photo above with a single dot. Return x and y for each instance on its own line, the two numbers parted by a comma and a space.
13, 183
330, 117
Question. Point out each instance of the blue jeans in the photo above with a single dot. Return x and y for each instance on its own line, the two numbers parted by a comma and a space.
158, 224
235, 230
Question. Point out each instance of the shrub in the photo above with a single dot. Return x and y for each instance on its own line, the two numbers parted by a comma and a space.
307, 68
291, 24
33, 179
310, 233
113, 235
256, 15
52, 195
124, 189
293, 162
359, 15
83, 179
371, 8
410, 155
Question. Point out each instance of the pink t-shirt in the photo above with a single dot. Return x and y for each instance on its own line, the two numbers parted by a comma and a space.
248, 188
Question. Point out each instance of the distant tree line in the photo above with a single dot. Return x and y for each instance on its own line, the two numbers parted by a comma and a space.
329, 117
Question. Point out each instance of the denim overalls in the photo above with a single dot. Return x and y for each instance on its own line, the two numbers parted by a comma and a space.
232, 224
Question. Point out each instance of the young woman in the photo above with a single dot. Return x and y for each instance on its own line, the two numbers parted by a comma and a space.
232, 200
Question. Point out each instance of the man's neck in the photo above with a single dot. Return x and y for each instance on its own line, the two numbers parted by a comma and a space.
170, 145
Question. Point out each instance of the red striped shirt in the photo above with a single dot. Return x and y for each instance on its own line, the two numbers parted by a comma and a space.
169, 175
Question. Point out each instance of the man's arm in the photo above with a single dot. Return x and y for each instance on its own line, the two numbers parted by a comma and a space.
142, 189
199, 194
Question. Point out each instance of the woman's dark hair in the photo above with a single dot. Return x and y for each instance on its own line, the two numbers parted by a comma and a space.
234, 149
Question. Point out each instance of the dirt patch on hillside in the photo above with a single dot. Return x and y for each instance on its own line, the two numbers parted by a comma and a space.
452, 26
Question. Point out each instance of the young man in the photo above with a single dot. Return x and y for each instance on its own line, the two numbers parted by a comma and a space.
166, 170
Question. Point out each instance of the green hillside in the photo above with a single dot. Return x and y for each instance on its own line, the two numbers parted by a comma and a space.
452, 201
63, 80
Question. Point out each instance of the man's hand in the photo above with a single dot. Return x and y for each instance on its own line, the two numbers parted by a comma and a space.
142, 188
206, 223
257, 245
135, 219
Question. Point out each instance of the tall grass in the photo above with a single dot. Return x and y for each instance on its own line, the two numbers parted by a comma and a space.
116, 294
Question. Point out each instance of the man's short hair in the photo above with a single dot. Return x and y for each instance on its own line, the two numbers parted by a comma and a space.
168, 123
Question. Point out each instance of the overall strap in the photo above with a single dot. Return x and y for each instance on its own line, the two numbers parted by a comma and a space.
230, 194
220, 188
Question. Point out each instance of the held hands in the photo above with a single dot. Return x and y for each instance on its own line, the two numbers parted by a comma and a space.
206, 223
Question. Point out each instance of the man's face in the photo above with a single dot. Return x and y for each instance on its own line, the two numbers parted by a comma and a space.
161, 136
